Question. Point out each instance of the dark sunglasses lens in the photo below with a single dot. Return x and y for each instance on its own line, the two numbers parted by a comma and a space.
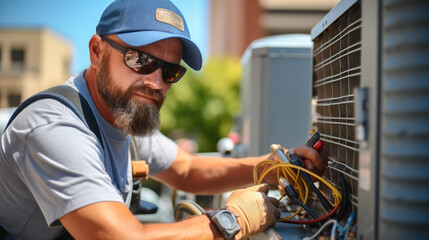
172, 72
140, 62
146, 64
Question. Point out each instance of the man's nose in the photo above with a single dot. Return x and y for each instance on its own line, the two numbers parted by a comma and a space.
154, 80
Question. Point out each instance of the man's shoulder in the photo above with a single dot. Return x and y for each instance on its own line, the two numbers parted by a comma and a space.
43, 112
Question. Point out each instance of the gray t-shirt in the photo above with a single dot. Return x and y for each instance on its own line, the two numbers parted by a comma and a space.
51, 164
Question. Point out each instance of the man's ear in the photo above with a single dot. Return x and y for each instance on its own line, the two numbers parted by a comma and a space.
96, 51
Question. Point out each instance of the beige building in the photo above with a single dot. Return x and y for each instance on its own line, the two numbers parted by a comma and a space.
31, 60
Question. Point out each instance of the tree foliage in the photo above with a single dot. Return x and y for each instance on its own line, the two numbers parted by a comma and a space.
203, 104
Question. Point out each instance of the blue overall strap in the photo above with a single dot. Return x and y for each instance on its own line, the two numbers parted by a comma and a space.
78, 104
69, 97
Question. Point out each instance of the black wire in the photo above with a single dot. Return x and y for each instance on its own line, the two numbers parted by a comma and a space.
290, 192
345, 196
325, 203
295, 160
313, 215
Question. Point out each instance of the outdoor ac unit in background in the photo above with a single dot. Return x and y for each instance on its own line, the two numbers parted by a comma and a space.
275, 93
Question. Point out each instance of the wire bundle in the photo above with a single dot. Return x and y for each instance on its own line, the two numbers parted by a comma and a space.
337, 231
293, 174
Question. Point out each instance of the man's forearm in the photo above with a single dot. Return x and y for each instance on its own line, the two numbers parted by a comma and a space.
208, 175
211, 175
199, 227
113, 220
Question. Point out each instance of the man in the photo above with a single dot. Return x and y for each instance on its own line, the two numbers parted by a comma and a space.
55, 175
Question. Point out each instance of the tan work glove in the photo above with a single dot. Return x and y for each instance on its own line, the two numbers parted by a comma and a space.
255, 210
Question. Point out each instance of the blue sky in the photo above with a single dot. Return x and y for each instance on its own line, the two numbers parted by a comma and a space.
76, 21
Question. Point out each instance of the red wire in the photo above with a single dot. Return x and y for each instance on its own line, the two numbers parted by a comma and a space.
314, 220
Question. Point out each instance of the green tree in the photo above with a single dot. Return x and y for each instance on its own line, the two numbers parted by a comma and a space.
202, 105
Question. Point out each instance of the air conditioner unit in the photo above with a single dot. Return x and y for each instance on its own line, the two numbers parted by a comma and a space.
371, 94
276, 93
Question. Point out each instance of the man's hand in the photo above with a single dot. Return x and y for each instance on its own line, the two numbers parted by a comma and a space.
313, 160
255, 210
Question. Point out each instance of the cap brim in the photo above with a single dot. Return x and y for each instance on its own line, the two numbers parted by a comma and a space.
191, 53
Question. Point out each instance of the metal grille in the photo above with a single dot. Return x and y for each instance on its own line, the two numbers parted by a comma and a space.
336, 73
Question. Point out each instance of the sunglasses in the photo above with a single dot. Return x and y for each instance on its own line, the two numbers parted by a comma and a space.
144, 63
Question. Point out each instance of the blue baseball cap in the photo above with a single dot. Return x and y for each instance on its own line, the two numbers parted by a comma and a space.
142, 22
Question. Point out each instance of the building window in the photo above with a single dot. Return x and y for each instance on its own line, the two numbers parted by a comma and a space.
17, 58
14, 100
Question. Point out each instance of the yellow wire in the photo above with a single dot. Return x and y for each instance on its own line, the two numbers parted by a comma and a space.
295, 179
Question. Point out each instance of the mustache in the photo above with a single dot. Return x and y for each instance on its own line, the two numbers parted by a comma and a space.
155, 94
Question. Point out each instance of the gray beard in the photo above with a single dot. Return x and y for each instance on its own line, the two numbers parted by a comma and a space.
131, 117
